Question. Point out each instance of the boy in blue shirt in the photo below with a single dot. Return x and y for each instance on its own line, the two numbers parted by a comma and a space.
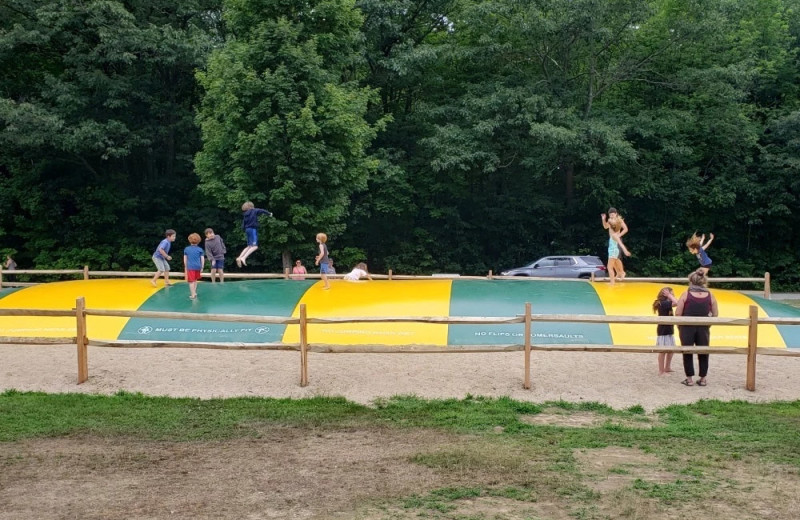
194, 258
161, 257
250, 226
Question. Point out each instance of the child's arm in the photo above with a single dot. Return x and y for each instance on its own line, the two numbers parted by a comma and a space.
707, 244
623, 228
319, 256
203, 262
260, 211
164, 253
605, 222
369, 276
673, 299
185, 267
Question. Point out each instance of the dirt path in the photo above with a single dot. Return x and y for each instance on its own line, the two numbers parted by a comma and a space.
619, 380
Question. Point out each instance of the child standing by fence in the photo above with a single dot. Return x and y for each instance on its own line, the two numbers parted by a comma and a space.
161, 257
250, 226
193, 261
665, 334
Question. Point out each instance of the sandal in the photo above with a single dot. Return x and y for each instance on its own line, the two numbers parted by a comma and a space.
702, 383
687, 382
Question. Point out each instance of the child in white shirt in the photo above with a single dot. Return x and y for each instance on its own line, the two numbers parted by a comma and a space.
357, 273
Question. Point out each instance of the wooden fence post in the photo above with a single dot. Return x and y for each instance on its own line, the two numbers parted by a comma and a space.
752, 345
85, 272
1, 277
490, 274
591, 277
303, 346
527, 382
767, 290
81, 340
390, 274
285, 273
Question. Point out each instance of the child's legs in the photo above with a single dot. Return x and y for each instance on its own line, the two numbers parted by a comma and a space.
661, 357
193, 288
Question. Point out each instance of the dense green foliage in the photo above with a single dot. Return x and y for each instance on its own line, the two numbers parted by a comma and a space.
422, 135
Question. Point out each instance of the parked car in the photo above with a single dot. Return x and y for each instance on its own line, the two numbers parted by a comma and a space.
561, 267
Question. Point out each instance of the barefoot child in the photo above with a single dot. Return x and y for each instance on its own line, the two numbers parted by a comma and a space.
359, 271
250, 226
193, 261
322, 258
665, 334
161, 257
698, 249
616, 227
215, 251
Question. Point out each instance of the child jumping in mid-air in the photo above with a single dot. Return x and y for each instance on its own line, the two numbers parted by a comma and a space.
161, 257
665, 334
322, 258
698, 248
359, 271
250, 226
193, 261
215, 251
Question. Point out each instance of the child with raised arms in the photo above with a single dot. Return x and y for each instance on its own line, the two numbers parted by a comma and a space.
665, 334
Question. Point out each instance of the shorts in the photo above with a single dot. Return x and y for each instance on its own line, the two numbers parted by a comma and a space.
613, 248
192, 275
161, 264
252, 236
325, 268
218, 264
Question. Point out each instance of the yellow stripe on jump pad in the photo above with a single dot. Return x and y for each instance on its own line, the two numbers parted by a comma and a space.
373, 299
636, 299
116, 294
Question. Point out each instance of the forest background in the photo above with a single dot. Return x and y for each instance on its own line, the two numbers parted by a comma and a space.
421, 135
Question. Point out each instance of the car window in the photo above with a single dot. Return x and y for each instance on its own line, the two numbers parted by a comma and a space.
563, 262
545, 262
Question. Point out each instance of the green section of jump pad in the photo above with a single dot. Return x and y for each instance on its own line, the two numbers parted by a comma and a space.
8, 290
496, 298
251, 297
790, 333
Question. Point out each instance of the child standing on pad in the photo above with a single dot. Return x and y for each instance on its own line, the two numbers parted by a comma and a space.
665, 334
322, 258
161, 257
215, 251
193, 261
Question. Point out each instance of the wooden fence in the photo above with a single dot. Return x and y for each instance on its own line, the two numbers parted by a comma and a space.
82, 340
85, 273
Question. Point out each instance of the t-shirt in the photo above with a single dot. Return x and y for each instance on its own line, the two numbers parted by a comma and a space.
665, 309
193, 258
355, 274
702, 256
165, 245
215, 248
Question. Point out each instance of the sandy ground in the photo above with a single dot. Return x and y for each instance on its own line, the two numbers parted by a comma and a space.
619, 380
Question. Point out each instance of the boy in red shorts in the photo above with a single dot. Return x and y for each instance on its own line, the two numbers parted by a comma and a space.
193, 261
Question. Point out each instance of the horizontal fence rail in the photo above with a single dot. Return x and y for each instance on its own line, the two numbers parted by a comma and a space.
86, 274
82, 341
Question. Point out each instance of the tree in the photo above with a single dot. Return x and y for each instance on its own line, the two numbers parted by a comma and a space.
283, 117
